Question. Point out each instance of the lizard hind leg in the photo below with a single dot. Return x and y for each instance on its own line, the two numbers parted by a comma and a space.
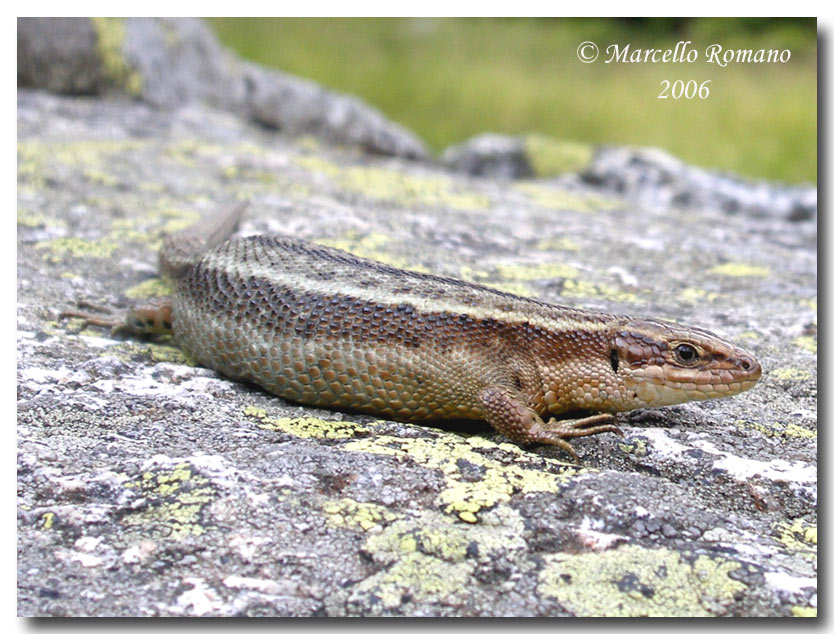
154, 317
506, 410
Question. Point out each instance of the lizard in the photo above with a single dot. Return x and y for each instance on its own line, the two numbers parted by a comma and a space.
319, 326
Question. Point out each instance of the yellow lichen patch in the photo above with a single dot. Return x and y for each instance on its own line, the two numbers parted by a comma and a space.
111, 34
308, 142
778, 430
398, 187
739, 269
551, 157
163, 353
799, 537
540, 271
150, 227
637, 581
149, 288
349, 513
424, 579
371, 246
158, 351
176, 219
48, 519
557, 244
482, 277
637, 447
806, 342
100, 177
40, 161
473, 480
697, 295
790, 374
803, 611
431, 558
809, 303
59, 249
36, 220
307, 427
581, 288
793, 430
174, 502
554, 197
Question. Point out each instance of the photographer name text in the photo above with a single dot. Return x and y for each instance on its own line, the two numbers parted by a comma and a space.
684, 53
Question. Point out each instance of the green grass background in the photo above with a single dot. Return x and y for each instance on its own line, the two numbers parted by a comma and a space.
448, 79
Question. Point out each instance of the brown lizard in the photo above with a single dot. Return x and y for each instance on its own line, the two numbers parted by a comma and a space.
319, 326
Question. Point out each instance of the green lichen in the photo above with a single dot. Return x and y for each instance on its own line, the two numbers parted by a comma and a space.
776, 429
550, 157
799, 537
792, 430
636, 447
156, 287
150, 227
163, 353
47, 520
397, 187
540, 271
308, 143
581, 288
806, 342
431, 558
790, 374
59, 249
42, 161
803, 611
372, 246
488, 279
637, 581
698, 296
739, 269
423, 579
557, 244
513, 278
478, 473
553, 197
174, 502
307, 427
32, 220
348, 513
158, 351
111, 34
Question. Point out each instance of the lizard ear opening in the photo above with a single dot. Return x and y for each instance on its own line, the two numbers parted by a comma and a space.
615, 360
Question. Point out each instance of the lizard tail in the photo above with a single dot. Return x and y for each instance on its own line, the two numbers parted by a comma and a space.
183, 249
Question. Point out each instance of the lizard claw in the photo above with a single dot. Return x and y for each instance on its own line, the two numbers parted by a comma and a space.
107, 320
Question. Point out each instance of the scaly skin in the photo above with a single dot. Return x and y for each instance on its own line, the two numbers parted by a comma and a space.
319, 326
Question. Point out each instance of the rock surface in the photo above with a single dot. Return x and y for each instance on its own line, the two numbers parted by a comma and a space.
646, 177
170, 62
149, 486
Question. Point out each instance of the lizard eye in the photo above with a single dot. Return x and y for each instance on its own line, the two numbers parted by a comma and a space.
686, 353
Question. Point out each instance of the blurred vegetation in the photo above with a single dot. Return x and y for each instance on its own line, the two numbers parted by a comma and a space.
448, 79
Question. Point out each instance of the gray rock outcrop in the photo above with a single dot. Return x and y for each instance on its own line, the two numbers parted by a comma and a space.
148, 486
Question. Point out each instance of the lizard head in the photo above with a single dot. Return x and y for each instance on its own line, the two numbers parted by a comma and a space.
661, 363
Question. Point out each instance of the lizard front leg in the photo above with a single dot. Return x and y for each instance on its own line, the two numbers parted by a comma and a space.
506, 410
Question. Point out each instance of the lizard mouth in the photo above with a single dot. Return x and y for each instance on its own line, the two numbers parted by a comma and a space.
667, 384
